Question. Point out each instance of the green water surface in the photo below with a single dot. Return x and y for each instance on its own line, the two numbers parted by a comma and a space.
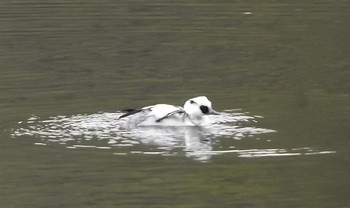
287, 61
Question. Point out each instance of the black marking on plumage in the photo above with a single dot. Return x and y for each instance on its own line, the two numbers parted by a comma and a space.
130, 112
170, 114
204, 109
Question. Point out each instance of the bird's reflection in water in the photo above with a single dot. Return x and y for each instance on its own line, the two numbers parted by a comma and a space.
193, 140
197, 146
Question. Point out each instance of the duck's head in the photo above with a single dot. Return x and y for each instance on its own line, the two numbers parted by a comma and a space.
198, 107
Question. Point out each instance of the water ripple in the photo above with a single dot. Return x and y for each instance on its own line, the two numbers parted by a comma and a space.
105, 131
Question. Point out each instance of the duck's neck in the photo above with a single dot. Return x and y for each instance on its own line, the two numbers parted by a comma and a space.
197, 121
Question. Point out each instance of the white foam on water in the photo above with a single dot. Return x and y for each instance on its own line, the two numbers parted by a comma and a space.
104, 131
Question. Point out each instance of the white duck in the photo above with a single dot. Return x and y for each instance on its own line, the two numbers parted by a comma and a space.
192, 114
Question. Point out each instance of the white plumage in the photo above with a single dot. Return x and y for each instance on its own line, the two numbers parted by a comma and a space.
194, 113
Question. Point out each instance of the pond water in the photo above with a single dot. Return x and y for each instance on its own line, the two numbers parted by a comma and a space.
277, 71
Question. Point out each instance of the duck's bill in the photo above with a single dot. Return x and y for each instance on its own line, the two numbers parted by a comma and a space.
213, 112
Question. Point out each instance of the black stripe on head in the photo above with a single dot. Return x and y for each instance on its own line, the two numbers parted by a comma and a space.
204, 109
192, 102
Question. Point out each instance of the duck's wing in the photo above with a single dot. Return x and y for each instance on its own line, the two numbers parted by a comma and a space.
134, 111
177, 111
159, 111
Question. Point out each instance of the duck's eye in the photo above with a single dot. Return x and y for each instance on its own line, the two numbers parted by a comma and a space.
192, 102
204, 109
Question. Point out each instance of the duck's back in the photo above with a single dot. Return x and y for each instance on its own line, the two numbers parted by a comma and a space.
162, 110
159, 115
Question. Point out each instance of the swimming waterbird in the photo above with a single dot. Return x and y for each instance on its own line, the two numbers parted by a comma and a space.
194, 113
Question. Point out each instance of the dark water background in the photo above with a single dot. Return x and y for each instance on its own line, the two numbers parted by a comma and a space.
287, 62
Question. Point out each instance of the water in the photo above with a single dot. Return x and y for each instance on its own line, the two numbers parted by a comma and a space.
278, 71
80, 131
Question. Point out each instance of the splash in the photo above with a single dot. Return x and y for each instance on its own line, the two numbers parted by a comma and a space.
105, 131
